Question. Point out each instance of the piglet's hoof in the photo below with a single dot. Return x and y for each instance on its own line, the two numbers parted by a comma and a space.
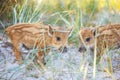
42, 65
20, 62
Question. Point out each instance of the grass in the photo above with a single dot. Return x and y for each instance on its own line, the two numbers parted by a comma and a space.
68, 13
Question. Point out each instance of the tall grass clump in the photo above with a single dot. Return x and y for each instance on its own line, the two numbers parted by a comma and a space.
28, 11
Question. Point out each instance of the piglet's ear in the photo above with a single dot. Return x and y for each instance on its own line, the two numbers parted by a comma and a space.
50, 31
94, 31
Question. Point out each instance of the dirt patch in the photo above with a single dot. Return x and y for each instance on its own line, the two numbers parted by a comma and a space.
67, 66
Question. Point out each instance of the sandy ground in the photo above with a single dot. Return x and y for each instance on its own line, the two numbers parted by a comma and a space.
66, 66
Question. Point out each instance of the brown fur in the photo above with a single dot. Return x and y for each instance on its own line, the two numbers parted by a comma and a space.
35, 35
107, 36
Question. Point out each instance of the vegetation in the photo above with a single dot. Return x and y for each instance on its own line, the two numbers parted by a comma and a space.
70, 13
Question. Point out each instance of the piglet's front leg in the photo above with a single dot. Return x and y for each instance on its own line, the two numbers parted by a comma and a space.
41, 59
18, 56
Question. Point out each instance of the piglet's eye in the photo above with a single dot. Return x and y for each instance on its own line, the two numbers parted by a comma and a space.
58, 38
88, 39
